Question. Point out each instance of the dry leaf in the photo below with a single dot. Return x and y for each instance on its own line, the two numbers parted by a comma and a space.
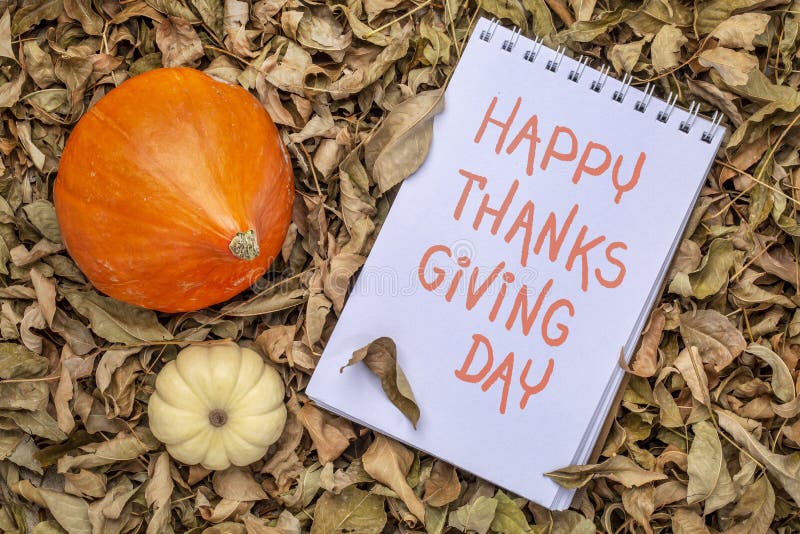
714, 335
388, 462
179, 43
618, 468
380, 357
353, 510
734, 66
400, 145
443, 486
331, 434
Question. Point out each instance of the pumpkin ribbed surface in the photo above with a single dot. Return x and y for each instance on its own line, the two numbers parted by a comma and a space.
174, 191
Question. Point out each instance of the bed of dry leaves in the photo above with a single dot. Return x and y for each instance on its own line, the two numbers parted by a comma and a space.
707, 435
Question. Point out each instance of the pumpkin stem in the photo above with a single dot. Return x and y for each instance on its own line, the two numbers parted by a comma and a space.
218, 417
244, 245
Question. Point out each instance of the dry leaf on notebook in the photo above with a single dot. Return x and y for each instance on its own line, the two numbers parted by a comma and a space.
380, 357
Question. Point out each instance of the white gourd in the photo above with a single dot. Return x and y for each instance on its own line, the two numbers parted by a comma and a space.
217, 405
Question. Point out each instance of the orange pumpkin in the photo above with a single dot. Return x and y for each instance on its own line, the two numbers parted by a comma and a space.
174, 191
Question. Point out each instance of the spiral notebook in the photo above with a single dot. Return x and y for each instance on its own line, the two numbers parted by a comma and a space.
519, 260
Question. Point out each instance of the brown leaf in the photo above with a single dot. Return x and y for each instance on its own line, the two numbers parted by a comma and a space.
785, 468
618, 468
380, 357
17, 361
690, 366
237, 484
234, 22
645, 362
388, 462
331, 434
71, 512
685, 521
354, 510
666, 47
714, 335
443, 486
739, 31
709, 479
178, 42
399, 146
734, 66
782, 382
158, 493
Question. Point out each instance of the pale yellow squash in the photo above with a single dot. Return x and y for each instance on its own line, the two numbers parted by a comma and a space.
217, 405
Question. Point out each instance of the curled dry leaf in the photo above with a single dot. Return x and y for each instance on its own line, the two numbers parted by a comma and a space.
380, 357
618, 468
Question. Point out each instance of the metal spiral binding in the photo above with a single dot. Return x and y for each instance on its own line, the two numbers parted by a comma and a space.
530, 55
663, 116
715, 121
622, 92
575, 75
488, 34
598, 83
509, 44
553, 64
641, 105
686, 125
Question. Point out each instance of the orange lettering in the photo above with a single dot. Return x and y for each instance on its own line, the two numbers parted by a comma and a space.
474, 294
584, 167
463, 373
524, 221
504, 125
579, 249
471, 178
521, 307
529, 132
560, 303
529, 390
611, 259
550, 227
504, 372
498, 214
551, 147
440, 274
624, 188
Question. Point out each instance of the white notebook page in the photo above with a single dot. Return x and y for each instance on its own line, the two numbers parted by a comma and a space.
603, 309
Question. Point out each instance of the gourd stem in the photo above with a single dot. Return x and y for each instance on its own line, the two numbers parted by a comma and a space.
217, 418
244, 245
